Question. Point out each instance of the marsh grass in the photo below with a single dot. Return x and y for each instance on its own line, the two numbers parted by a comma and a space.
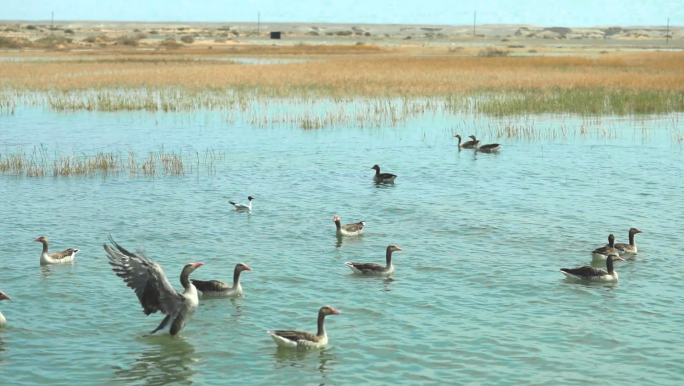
39, 163
358, 86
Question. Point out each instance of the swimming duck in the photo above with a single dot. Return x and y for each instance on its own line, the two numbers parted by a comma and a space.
349, 229
588, 273
305, 340
218, 288
466, 145
372, 269
600, 254
61, 257
243, 206
382, 177
627, 250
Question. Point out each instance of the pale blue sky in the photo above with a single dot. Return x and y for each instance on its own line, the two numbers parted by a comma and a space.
573, 13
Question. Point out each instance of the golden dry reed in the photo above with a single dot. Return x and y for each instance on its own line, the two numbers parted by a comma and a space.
618, 83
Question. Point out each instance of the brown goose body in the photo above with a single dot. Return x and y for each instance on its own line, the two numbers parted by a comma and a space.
601, 254
353, 229
372, 269
382, 177
302, 339
468, 144
61, 257
210, 288
588, 273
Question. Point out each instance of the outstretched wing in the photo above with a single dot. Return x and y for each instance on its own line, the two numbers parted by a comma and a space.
146, 279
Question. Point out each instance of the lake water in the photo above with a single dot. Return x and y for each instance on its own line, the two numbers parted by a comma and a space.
476, 297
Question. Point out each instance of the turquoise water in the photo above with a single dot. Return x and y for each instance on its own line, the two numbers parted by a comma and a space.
476, 297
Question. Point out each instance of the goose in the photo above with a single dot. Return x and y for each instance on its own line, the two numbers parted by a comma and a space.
61, 257
490, 148
600, 254
155, 293
305, 340
218, 288
243, 206
3, 321
382, 177
349, 229
466, 145
588, 273
373, 269
623, 249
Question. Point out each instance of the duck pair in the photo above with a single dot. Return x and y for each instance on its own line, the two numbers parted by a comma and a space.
609, 253
477, 145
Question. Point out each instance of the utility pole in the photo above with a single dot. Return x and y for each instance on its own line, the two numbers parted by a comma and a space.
667, 34
474, 20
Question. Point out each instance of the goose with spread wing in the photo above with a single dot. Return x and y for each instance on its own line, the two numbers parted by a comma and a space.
588, 273
3, 321
354, 229
153, 289
382, 177
372, 269
61, 257
243, 206
211, 288
302, 339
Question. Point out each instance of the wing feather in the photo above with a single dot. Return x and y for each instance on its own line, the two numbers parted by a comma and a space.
146, 279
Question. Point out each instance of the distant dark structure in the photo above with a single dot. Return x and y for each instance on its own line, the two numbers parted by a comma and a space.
275, 34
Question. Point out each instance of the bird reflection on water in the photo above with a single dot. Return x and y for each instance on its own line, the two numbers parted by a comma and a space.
320, 361
164, 360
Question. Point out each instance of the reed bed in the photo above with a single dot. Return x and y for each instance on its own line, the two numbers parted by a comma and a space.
39, 163
373, 83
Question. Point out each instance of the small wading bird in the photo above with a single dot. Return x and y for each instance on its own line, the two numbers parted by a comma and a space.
243, 206
153, 289
382, 177
61, 257
349, 229
373, 269
305, 340
588, 273
466, 145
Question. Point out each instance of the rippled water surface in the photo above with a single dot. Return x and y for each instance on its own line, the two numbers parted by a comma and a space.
476, 296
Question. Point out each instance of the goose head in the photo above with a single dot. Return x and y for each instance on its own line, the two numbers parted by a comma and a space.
327, 310
611, 239
250, 198
336, 218
191, 267
614, 257
41, 239
242, 267
472, 137
634, 231
376, 167
457, 136
393, 248
4, 297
